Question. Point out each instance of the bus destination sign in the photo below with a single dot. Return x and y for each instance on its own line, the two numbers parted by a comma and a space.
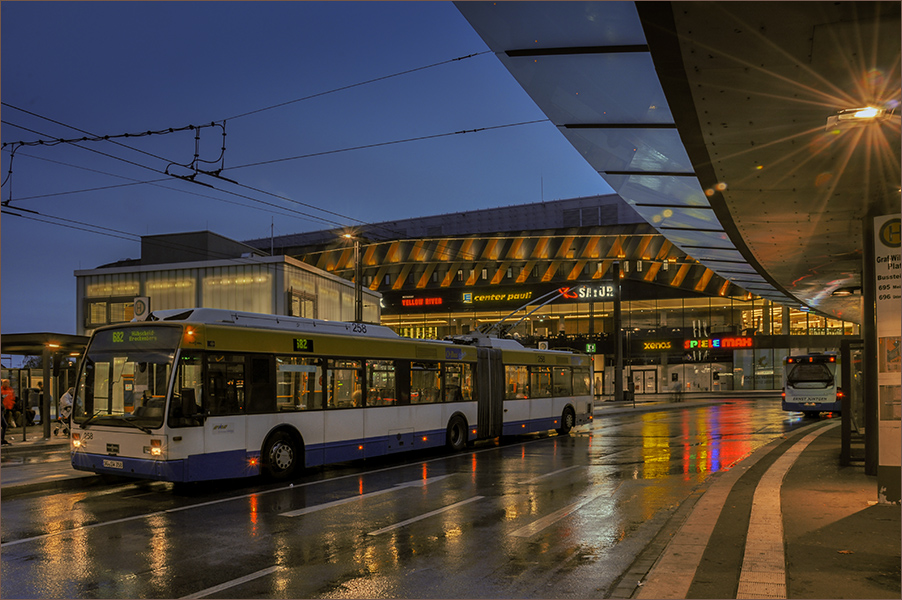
303, 345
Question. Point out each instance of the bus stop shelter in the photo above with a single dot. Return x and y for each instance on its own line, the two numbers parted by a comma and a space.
53, 348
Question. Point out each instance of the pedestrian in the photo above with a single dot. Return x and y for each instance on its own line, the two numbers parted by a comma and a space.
36, 413
9, 402
66, 401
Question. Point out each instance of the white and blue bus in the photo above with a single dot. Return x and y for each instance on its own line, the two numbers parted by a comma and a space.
203, 394
811, 384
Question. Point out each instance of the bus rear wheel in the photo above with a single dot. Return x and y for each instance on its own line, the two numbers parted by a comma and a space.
568, 420
281, 456
456, 435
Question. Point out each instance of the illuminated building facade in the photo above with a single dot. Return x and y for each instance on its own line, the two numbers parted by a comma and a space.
685, 328
203, 269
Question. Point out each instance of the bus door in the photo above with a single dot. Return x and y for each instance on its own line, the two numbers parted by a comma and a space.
225, 428
344, 429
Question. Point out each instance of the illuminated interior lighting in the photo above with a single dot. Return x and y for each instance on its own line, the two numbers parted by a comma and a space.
852, 117
866, 113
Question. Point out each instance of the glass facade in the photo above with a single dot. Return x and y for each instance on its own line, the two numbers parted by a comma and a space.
246, 286
270, 285
671, 345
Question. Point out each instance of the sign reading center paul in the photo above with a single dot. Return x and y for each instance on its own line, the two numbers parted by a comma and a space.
492, 297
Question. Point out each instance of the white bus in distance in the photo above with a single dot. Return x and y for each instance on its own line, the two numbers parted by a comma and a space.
811, 384
202, 394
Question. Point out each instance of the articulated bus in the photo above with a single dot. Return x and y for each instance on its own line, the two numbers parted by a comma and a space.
203, 394
812, 384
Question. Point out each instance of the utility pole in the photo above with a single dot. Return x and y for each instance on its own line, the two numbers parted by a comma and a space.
618, 333
358, 284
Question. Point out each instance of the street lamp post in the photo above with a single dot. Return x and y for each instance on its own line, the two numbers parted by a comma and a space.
358, 284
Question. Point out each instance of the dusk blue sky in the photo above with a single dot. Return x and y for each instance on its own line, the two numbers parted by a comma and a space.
109, 68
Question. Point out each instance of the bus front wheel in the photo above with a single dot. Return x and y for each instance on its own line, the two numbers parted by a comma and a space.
281, 455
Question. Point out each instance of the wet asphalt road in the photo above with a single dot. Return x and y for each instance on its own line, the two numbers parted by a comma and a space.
539, 516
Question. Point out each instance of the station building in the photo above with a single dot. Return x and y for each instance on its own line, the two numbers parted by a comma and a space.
204, 269
686, 328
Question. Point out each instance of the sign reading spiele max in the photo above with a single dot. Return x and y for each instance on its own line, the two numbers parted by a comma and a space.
713, 343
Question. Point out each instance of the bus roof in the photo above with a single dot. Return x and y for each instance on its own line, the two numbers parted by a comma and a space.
219, 316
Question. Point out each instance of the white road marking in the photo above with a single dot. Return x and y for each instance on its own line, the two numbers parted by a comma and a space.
334, 503
233, 583
763, 573
552, 474
548, 520
425, 516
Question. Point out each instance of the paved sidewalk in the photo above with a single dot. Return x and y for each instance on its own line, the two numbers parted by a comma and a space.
787, 522
36, 463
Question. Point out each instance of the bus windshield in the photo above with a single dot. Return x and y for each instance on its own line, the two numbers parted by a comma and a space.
125, 376
810, 375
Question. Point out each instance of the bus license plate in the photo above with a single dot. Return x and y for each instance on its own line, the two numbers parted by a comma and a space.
113, 464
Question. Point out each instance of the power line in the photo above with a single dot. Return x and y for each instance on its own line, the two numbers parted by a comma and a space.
380, 144
353, 85
271, 205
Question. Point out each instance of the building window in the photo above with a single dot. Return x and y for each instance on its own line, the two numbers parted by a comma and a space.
108, 311
485, 273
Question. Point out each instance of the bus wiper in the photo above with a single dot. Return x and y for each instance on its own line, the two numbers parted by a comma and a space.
88, 422
133, 424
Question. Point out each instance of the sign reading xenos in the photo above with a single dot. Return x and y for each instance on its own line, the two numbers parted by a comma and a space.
657, 345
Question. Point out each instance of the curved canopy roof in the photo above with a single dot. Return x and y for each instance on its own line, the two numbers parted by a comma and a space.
717, 122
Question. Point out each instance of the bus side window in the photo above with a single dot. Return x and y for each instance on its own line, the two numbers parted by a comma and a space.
299, 383
425, 382
563, 381
516, 382
540, 382
345, 384
458, 382
225, 392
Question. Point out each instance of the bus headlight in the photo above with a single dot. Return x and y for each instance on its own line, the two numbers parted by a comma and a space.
76, 440
155, 449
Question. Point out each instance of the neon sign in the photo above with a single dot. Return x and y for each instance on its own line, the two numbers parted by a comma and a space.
471, 298
421, 301
588, 292
713, 343
665, 345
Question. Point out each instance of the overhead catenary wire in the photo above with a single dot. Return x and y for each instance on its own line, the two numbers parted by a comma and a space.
263, 202
359, 84
192, 178
389, 143
217, 174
